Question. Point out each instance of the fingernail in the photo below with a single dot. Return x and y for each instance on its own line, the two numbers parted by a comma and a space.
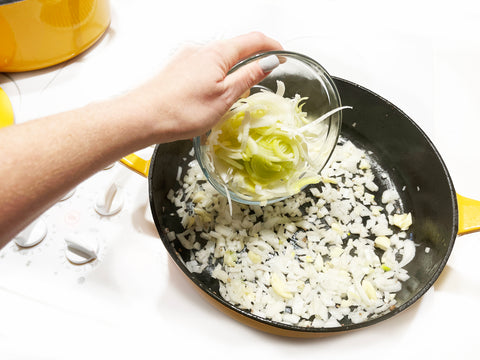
268, 63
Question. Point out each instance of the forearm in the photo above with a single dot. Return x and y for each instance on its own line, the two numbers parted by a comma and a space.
43, 159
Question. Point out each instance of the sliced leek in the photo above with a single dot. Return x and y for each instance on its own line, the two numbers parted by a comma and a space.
265, 147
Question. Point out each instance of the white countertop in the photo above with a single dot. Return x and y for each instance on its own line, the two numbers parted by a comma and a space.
423, 56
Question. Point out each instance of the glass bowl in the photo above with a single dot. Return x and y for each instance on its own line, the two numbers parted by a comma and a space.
303, 76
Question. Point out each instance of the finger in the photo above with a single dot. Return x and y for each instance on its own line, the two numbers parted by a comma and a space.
243, 46
241, 80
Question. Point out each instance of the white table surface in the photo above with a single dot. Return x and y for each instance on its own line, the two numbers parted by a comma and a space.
421, 55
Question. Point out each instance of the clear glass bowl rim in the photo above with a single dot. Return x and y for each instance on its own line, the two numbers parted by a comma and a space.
289, 54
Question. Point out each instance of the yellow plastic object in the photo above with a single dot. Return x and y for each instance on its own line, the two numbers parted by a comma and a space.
468, 215
137, 164
38, 33
6, 111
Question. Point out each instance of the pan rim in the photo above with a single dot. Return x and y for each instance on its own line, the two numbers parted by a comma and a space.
266, 324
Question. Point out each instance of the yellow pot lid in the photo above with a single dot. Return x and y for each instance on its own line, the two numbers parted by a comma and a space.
6, 110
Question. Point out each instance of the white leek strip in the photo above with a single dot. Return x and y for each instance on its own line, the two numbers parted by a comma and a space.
229, 199
232, 162
234, 153
280, 88
179, 173
323, 117
243, 133
268, 140
304, 152
252, 146
213, 137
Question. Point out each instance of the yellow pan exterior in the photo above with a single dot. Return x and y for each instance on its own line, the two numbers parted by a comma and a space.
468, 209
40, 33
6, 110
270, 329
468, 215
137, 164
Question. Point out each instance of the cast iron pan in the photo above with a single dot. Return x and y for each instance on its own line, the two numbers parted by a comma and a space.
399, 147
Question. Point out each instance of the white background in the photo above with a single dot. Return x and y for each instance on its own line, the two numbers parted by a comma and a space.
135, 304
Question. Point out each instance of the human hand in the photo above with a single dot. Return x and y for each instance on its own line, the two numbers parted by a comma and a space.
190, 95
184, 100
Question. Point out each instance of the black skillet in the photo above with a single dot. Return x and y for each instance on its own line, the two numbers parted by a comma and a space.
401, 149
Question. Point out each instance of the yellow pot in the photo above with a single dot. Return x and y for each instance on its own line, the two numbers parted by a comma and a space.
39, 33
6, 110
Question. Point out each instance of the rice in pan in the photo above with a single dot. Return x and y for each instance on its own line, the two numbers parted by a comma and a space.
328, 255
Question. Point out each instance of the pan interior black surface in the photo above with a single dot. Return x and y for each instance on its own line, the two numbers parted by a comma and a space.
396, 145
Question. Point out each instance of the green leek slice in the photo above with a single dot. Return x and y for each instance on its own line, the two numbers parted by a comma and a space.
266, 147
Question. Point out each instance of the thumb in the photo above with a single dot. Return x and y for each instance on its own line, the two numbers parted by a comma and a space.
247, 76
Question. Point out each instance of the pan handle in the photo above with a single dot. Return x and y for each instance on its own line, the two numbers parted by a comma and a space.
6, 110
468, 215
468, 209
137, 164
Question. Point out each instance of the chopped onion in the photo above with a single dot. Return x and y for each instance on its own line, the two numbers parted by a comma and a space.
320, 258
